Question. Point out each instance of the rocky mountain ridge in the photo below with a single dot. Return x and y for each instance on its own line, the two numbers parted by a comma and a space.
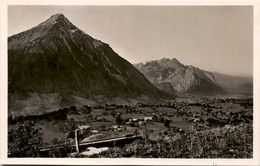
171, 75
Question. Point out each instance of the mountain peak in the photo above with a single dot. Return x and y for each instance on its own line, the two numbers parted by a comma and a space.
168, 60
174, 59
57, 18
56, 24
164, 59
58, 15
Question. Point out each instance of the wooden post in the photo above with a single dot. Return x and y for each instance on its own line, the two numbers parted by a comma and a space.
77, 140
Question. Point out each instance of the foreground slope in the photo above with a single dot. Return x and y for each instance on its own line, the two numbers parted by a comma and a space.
57, 58
172, 76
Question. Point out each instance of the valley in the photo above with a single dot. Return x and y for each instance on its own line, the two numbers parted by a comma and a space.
169, 121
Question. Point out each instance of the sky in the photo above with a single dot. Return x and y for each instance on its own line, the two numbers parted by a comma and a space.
212, 38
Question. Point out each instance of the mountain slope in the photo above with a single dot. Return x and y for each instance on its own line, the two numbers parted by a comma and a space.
57, 57
179, 78
235, 85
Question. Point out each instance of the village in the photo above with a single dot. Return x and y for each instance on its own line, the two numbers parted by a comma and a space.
124, 122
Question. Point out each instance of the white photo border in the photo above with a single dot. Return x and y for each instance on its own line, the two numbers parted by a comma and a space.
124, 161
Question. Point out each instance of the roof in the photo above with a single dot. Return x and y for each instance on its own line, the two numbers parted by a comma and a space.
84, 127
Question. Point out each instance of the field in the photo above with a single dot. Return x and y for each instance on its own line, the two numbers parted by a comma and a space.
205, 128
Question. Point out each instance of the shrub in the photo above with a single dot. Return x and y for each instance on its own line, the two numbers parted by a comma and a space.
167, 123
25, 141
119, 119
71, 134
103, 127
105, 114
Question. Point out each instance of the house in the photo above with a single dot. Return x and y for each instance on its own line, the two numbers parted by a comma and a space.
84, 127
141, 123
94, 131
134, 120
196, 120
196, 115
110, 107
119, 129
150, 118
181, 131
116, 127
99, 119
200, 127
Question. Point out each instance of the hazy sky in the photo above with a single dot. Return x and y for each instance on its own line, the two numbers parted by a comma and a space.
211, 38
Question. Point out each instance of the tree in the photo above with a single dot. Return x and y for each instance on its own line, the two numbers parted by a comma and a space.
25, 141
167, 123
119, 119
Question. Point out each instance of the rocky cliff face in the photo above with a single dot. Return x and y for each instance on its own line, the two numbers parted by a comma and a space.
183, 79
57, 57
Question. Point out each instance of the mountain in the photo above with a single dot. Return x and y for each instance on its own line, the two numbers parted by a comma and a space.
56, 59
172, 76
234, 84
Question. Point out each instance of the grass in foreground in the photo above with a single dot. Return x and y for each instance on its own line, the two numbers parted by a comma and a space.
224, 142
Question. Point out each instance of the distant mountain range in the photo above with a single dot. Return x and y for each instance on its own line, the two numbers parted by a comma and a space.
59, 64
172, 76
234, 84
